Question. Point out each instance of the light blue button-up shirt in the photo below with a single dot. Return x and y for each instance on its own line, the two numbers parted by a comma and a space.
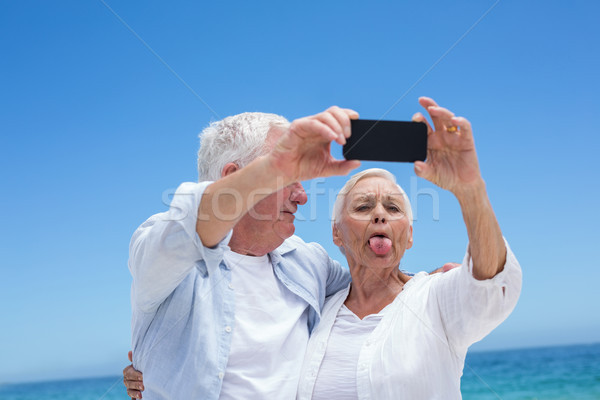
183, 304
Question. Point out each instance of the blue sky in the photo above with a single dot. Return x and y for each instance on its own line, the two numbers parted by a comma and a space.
97, 131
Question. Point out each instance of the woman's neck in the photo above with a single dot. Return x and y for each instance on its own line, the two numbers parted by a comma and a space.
372, 290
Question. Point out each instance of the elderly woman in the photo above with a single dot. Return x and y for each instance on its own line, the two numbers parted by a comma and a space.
390, 336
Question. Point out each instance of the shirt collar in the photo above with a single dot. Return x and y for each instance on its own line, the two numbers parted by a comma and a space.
286, 247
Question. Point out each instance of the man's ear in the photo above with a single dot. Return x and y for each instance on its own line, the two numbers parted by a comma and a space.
410, 238
229, 169
336, 236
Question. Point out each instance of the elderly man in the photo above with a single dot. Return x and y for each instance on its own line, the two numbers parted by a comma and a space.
224, 297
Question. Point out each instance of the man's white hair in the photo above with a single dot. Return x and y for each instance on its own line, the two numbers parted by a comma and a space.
238, 139
338, 206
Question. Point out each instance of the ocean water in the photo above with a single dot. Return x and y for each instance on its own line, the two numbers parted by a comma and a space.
550, 373
107, 388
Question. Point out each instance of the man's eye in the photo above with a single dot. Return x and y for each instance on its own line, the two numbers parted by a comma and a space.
394, 209
362, 208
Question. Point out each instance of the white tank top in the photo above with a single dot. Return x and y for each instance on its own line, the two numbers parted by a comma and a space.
337, 375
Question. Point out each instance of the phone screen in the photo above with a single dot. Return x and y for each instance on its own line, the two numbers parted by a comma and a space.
399, 141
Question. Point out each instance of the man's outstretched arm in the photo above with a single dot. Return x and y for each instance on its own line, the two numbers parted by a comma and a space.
301, 153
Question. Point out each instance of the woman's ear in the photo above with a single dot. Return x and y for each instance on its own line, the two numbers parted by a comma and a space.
410, 238
336, 236
229, 169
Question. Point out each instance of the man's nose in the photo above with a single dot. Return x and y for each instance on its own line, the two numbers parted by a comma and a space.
298, 195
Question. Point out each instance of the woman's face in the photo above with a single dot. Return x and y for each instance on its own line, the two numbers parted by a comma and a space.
373, 228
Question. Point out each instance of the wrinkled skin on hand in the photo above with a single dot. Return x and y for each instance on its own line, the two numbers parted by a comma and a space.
133, 380
304, 150
451, 157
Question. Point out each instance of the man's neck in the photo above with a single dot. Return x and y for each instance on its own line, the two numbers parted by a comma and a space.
241, 245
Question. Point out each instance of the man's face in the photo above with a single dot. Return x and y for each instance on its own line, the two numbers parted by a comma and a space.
271, 220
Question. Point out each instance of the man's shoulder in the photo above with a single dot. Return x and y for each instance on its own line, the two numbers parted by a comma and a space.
297, 244
309, 256
309, 265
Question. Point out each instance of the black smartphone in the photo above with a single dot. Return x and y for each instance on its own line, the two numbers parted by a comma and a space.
374, 140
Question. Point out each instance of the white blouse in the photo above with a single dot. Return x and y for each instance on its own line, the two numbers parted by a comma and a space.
417, 350
337, 376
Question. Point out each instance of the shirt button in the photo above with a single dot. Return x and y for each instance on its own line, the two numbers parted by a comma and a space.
230, 286
221, 375
227, 329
